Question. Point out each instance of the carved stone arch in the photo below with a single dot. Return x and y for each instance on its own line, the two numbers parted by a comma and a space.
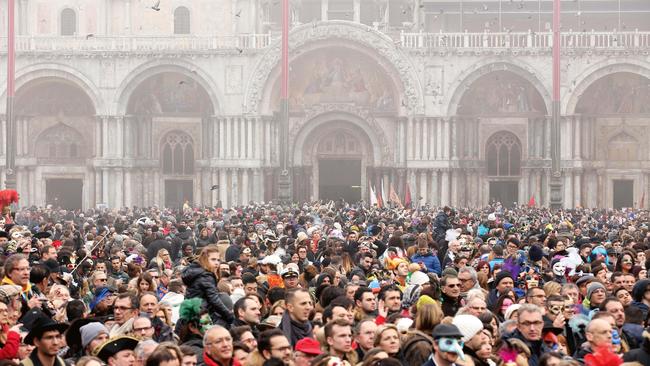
462, 83
623, 146
28, 74
360, 34
143, 72
62, 145
361, 119
595, 73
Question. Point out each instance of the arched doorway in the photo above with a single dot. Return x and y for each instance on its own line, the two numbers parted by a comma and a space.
177, 166
55, 123
340, 161
503, 160
331, 158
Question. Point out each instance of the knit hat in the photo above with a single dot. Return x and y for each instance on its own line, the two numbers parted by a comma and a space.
419, 278
501, 276
510, 310
639, 290
535, 253
469, 325
593, 287
449, 271
90, 331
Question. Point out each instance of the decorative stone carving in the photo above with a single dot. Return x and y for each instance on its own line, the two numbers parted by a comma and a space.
370, 125
301, 35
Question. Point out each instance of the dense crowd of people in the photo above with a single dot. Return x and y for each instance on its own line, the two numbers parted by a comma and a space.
324, 284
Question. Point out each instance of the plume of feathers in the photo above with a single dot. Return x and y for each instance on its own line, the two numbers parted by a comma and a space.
190, 309
7, 197
578, 324
603, 357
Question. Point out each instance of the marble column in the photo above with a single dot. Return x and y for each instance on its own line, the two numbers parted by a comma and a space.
98, 186
119, 187
445, 188
454, 187
577, 189
453, 139
236, 192
425, 139
424, 193
434, 198
257, 186
568, 189
245, 188
418, 138
128, 186
223, 188
241, 124
356, 4
105, 186
409, 139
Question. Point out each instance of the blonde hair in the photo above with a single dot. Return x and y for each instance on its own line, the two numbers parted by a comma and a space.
552, 288
381, 330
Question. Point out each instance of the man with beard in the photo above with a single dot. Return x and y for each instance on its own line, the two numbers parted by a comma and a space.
295, 322
365, 302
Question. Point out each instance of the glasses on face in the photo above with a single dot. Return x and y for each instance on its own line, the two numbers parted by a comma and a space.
528, 324
22, 269
478, 308
453, 285
122, 308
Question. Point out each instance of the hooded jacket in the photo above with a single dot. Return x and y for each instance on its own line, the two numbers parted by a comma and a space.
203, 284
641, 355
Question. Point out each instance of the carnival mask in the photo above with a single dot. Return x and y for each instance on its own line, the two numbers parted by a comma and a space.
451, 345
559, 269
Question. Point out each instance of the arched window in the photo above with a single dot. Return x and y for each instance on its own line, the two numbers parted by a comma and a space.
182, 20
503, 154
623, 147
68, 22
177, 154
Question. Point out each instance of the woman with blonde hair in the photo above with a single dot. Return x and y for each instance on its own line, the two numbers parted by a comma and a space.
201, 282
161, 261
552, 288
387, 337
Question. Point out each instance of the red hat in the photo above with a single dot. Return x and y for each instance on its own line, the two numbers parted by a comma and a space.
309, 346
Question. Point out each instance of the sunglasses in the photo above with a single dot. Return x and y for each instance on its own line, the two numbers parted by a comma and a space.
453, 285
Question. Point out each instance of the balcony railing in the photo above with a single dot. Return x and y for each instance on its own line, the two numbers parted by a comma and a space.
138, 43
470, 41
569, 40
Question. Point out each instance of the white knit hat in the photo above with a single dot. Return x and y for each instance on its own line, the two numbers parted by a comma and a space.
419, 278
469, 325
511, 309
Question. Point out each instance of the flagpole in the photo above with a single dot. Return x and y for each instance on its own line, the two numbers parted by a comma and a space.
10, 179
284, 180
556, 180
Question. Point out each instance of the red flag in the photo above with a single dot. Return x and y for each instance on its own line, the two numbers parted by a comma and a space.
407, 196
394, 198
380, 200
531, 202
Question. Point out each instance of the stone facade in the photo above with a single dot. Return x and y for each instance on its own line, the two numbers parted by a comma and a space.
133, 114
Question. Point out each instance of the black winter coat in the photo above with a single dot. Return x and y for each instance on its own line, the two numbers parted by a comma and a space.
203, 284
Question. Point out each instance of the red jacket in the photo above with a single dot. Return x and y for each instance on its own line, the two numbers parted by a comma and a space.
10, 349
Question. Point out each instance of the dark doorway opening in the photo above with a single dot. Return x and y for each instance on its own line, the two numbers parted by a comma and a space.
177, 192
64, 193
623, 193
505, 192
339, 179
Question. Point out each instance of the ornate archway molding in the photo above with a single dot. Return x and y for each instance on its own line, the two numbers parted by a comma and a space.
485, 67
321, 31
322, 115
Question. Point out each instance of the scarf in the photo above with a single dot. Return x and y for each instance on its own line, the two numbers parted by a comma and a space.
296, 331
26, 291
